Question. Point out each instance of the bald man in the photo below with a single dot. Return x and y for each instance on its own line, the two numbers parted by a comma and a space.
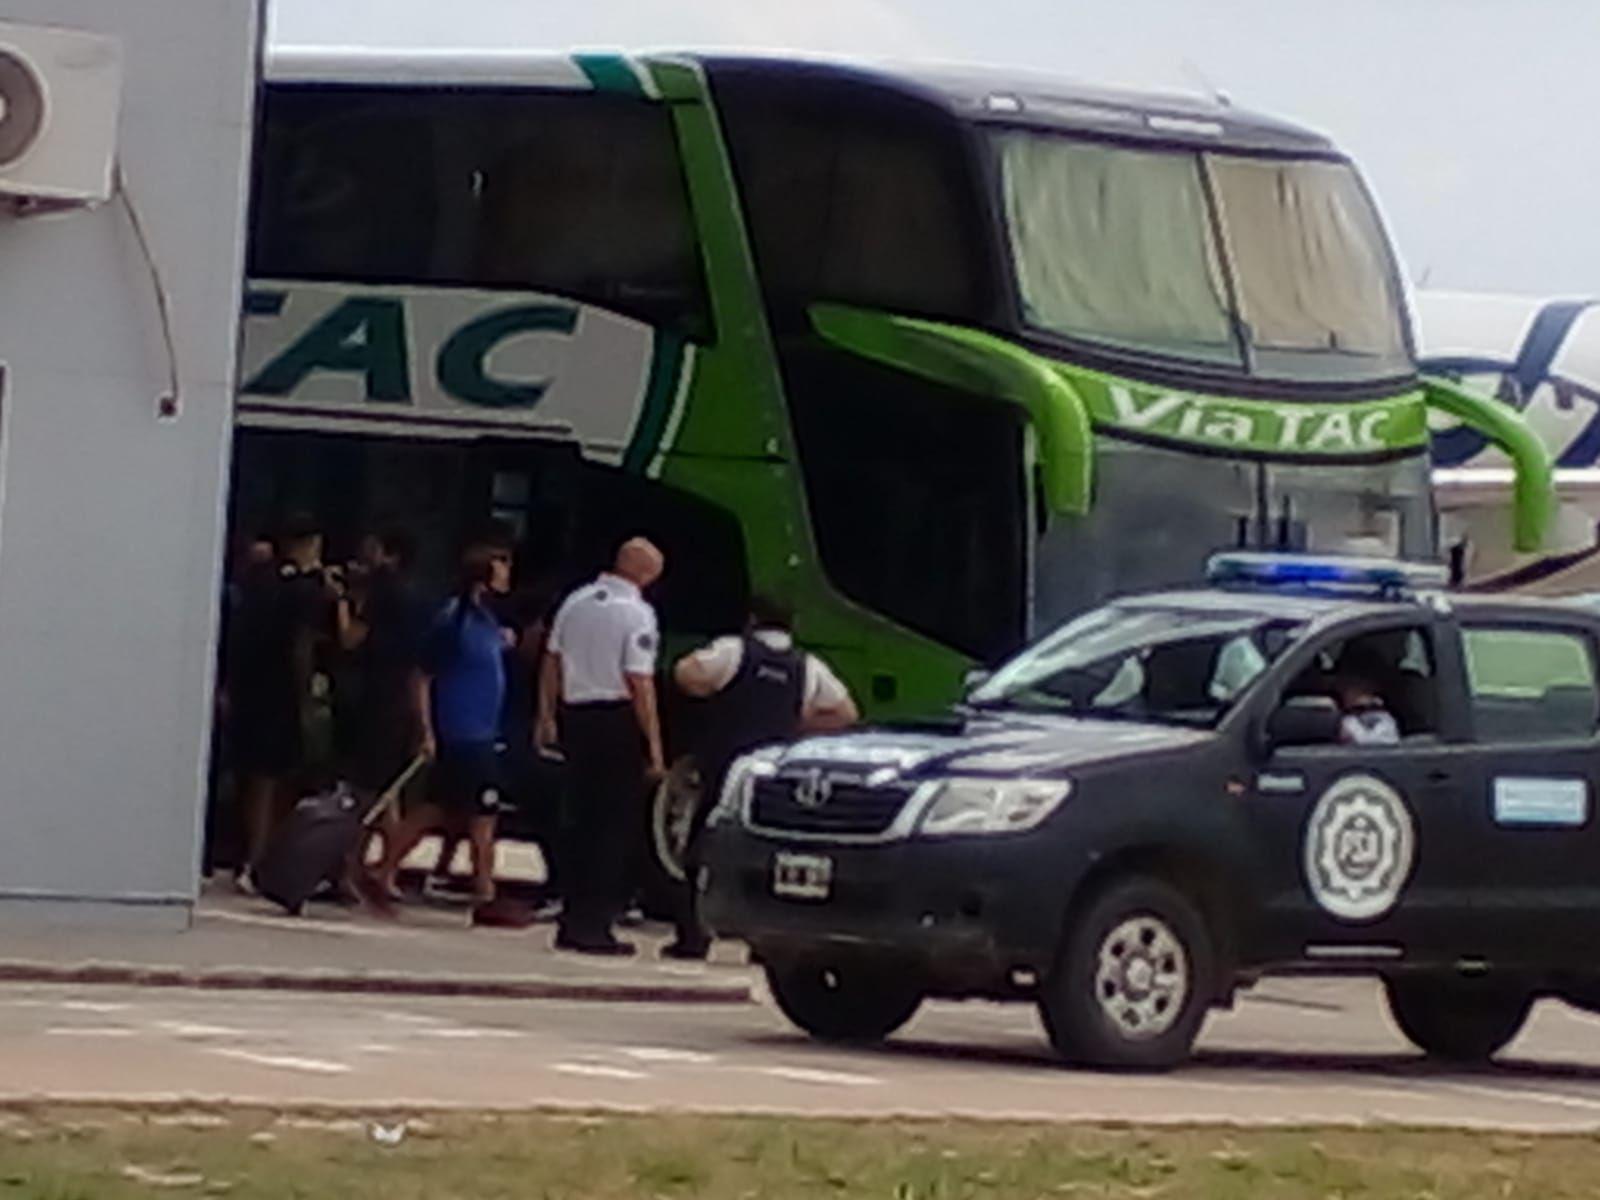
597, 702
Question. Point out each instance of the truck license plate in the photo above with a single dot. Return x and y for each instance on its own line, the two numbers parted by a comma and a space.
802, 876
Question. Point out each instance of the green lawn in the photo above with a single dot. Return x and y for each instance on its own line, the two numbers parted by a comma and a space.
105, 1154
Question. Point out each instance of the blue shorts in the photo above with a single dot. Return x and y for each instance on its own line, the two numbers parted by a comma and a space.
469, 779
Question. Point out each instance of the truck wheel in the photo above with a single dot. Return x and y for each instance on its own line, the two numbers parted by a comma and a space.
1458, 1020
842, 1002
672, 806
1133, 981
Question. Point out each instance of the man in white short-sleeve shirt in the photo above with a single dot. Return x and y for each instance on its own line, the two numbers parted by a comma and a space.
597, 701
759, 688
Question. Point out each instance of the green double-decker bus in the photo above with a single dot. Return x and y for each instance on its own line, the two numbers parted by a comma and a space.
941, 357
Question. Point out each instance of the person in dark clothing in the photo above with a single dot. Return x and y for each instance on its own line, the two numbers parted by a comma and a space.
759, 689
381, 624
252, 558
283, 620
459, 694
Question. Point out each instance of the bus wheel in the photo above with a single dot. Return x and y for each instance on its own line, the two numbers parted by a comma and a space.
1455, 1019
1133, 982
842, 1002
672, 806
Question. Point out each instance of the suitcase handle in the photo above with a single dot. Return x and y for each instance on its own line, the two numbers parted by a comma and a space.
391, 794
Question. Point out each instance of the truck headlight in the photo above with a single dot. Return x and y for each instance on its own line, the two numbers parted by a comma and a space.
963, 806
741, 781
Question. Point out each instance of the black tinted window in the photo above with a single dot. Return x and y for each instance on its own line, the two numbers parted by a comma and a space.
855, 195
576, 194
916, 492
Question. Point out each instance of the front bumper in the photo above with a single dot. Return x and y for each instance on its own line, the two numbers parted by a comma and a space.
966, 915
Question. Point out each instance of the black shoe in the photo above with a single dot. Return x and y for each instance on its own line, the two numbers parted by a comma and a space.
691, 951
608, 947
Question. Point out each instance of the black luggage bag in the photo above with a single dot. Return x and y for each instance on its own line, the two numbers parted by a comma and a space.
314, 843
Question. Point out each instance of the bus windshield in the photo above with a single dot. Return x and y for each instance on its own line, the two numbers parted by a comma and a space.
1269, 266
1138, 539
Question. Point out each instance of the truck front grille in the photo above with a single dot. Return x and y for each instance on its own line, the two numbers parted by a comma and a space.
834, 807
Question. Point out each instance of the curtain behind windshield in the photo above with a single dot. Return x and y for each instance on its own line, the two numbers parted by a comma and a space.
1115, 245
1308, 260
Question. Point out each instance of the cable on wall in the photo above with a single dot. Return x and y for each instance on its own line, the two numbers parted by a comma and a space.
168, 405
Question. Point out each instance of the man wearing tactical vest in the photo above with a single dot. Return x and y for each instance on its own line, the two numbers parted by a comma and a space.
759, 689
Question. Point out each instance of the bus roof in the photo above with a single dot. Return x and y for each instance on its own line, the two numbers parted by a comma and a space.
985, 94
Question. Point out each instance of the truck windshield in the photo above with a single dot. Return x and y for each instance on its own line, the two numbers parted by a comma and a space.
1274, 267
1170, 665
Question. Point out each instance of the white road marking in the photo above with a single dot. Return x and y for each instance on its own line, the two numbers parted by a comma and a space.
808, 1075
404, 1018
90, 1006
186, 1029
287, 1062
468, 1033
662, 1054
89, 1031
597, 1071
1514, 1094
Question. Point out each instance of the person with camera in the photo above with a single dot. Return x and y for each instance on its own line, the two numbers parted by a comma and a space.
278, 690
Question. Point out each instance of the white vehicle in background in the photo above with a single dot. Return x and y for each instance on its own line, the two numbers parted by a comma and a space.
1541, 357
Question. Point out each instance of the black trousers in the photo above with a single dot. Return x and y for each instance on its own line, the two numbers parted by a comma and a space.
691, 930
605, 753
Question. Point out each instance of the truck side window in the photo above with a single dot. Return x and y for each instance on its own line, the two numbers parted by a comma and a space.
1390, 669
1531, 684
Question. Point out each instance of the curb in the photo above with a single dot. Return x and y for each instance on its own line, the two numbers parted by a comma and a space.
246, 979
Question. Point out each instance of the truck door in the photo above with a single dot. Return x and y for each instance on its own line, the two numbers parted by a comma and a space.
1361, 847
1530, 807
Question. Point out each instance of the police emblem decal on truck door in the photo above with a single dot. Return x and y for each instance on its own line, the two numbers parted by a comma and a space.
1360, 845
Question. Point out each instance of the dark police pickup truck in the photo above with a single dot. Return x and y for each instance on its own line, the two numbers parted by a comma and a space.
1310, 765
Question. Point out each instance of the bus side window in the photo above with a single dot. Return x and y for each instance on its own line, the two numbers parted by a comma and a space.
576, 195
857, 196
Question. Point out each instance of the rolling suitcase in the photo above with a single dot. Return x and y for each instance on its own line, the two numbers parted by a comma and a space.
318, 837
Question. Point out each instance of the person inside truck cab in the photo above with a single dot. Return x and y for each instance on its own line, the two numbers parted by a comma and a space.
1366, 720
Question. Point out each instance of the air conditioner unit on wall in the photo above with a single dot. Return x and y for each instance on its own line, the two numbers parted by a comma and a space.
59, 94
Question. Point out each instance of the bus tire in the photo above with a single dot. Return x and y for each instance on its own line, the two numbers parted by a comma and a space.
842, 1001
670, 807
1454, 1019
1134, 978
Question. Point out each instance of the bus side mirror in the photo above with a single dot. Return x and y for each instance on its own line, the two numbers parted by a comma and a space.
1304, 721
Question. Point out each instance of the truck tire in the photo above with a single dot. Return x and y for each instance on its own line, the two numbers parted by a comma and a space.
1133, 981
842, 1002
1455, 1019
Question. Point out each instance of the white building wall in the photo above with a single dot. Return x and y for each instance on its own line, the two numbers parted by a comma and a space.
111, 520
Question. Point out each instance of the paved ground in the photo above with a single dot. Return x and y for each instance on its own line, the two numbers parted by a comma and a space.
430, 948
1295, 1052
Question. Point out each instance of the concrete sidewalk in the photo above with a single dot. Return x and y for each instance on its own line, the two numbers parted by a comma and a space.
241, 943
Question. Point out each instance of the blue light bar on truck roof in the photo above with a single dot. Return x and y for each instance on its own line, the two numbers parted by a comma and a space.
1377, 576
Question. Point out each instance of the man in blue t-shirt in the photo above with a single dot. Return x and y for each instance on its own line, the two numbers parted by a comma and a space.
459, 691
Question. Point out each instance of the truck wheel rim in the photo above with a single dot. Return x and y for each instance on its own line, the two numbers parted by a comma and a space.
1141, 977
